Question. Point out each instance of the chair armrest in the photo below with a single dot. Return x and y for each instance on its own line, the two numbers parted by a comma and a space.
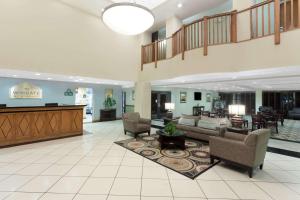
145, 121
234, 136
221, 129
130, 125
232, 150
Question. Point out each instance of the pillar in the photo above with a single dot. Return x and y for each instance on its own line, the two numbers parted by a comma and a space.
172, 25
142, 102
258, 99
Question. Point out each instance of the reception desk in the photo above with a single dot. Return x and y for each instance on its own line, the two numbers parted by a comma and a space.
21, 125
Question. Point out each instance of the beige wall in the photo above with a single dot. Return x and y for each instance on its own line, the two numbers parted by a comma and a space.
55, 37
255, 54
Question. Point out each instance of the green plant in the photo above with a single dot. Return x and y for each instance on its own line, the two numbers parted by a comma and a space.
109, 102
170, 128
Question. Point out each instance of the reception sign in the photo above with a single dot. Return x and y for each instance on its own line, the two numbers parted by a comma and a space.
26, 91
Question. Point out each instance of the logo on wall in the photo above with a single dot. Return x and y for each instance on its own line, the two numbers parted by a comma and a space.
25, 91
68, 92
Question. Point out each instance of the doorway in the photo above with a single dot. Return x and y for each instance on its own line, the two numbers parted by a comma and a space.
84, 96
158, 100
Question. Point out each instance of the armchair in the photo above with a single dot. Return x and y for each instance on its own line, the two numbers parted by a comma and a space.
134, 124
245, 150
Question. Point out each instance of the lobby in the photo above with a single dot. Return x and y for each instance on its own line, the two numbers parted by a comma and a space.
203, 102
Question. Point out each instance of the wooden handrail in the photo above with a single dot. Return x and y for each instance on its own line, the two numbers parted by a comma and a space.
255, 6
201, 32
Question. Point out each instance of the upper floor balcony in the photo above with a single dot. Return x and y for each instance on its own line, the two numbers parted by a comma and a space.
268, 20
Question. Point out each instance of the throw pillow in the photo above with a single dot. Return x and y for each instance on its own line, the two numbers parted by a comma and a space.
207, 124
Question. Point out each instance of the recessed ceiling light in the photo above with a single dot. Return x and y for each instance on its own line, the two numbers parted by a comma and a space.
76, 80
37, 74
49, 78
71, 77
81, 79
15, 75
179, 5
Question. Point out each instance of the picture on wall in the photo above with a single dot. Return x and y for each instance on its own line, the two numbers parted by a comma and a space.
183, 96
108, 93
208, 97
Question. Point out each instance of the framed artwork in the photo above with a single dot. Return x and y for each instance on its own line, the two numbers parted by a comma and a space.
109, 93
208, 97
183, 96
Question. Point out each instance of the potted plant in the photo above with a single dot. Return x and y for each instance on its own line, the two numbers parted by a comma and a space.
109, 113
109, 103
170, 128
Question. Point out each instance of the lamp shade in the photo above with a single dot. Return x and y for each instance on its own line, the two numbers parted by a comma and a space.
237, 109
169, 106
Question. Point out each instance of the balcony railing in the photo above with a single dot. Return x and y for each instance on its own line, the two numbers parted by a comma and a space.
264, 19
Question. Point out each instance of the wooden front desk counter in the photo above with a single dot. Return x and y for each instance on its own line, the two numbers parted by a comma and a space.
21, 125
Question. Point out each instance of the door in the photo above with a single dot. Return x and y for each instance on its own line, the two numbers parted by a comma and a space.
158, 101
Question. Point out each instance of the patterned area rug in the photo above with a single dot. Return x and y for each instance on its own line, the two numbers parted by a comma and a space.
190, 162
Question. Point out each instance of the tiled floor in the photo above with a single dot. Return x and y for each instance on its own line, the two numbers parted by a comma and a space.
91, 167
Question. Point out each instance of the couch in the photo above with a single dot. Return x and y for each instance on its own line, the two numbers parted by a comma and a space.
247, 151
133, 123
200, 129
294, 114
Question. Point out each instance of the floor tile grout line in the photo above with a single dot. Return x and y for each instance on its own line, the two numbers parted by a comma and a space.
62, 175
114, 179
78, 192
170, 183
33, 177
228, 185
264, 191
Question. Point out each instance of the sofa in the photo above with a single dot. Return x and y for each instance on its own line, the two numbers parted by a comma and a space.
200, 128
294, 114
247, 151
136, 125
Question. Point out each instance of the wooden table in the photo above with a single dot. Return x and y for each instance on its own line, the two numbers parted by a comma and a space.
177, 140
22, 125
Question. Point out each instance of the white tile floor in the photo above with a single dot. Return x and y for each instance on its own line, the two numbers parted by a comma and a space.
92, 167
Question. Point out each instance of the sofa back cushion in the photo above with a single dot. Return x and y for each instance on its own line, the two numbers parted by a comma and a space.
296, 110
207, 124
186, 121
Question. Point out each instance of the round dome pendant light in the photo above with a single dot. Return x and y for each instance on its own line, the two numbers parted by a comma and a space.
128, 18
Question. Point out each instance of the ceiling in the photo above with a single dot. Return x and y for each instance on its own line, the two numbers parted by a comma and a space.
162, 9
280, 79
59, 77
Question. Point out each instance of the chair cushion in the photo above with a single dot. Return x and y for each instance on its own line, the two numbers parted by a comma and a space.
134, 116
205, 131
143, 127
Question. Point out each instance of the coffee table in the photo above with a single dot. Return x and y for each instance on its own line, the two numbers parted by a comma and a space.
243, 131
176, 140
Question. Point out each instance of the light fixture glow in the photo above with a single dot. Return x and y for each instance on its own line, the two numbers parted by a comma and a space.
179, 5
237, 109
128, 18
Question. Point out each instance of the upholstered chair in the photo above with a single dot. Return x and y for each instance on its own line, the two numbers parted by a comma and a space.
134, 124
245, 150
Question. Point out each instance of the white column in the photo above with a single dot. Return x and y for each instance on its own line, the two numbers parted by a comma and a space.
142, 102
258, 99
172, 25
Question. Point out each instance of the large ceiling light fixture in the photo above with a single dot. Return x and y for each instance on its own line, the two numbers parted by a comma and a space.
128, 18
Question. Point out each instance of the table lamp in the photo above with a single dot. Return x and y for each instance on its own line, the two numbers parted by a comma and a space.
237, 110
170, 107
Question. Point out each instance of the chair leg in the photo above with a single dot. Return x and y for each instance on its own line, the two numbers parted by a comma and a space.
125, 132
277, 129
250, 172
261, 166
149, 133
